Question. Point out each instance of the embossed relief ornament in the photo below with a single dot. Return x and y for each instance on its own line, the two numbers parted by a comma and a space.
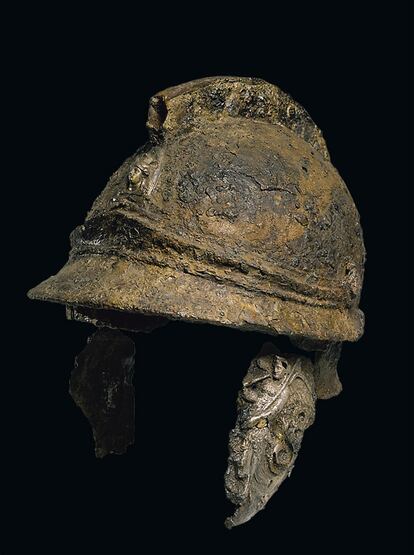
231, 214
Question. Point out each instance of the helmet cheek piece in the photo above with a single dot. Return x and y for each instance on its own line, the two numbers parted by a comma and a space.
233, 215
275, 406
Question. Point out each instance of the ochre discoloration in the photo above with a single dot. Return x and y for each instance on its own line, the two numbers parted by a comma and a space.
233, 196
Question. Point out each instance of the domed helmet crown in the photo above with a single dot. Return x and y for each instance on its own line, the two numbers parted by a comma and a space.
232, 214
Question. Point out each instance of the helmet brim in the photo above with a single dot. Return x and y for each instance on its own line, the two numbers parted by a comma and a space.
112, 283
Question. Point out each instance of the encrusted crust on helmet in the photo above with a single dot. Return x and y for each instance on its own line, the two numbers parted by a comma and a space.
178, 108
232, 214
117, 284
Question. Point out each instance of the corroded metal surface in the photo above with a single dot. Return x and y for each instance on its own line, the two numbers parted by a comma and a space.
101, 385
327, 381
275, 406
232, 214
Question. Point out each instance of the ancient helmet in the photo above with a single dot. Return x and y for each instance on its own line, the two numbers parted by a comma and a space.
233, 215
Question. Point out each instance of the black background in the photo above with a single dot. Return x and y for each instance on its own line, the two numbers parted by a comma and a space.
80, 81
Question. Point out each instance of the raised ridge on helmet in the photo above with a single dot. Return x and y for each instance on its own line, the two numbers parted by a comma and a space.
228, 216
182, 107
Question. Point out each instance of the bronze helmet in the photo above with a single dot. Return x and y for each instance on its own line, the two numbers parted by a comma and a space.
233, 215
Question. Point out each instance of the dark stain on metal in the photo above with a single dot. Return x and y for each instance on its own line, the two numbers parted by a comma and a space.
101, 385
